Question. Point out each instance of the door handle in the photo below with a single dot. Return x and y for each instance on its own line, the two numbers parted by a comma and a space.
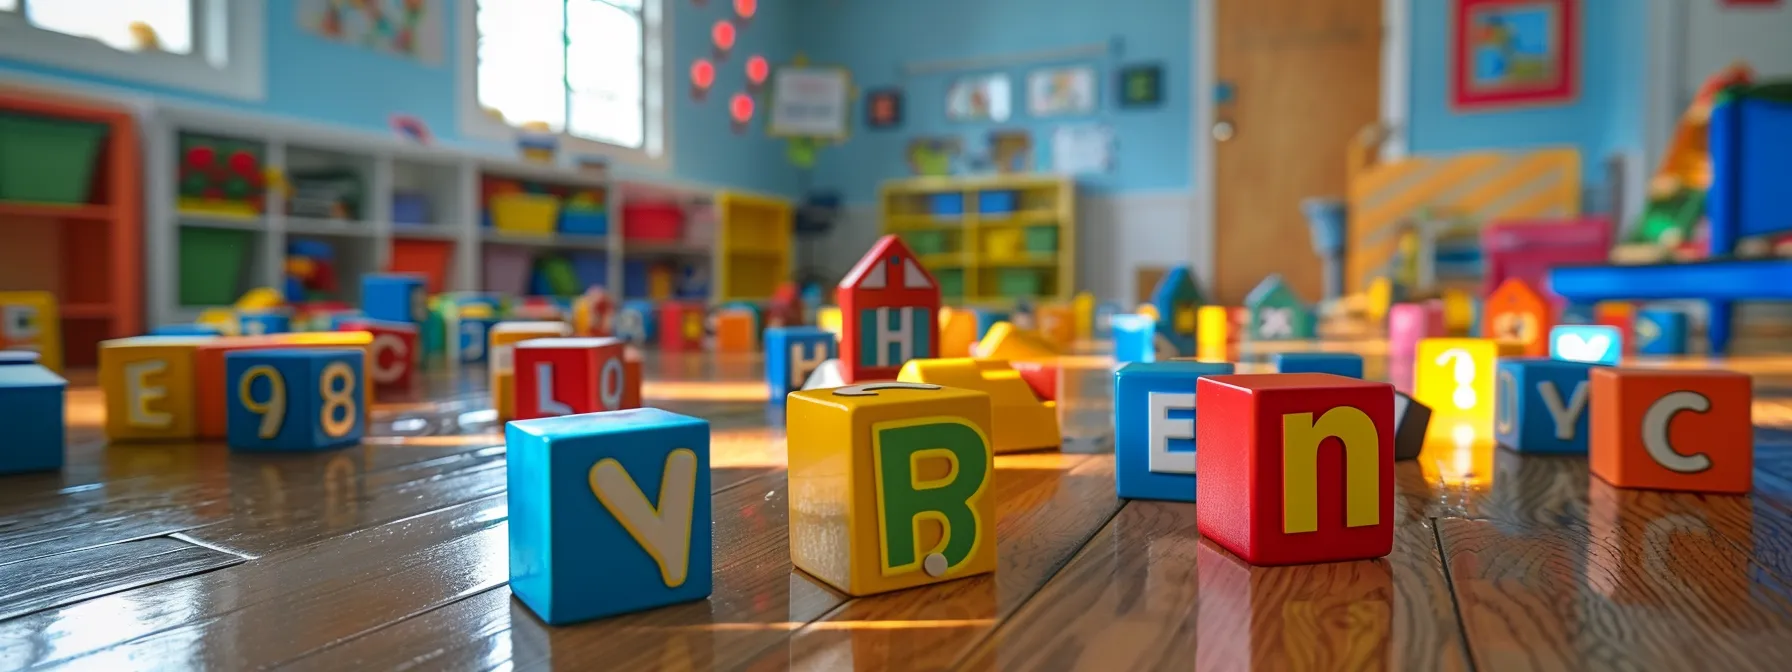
1223, 130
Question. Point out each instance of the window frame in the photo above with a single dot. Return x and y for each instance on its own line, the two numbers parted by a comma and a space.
229, 30
656, 147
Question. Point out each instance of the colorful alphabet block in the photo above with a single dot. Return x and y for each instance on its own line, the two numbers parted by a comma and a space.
635, 323
1154, 428
1455, 376
504, 337
1277, 314
1586, 344
294, 400
1661, 332
1135, 338
958, 332
263, 322
890, 304
394, 354
891, 485
30, 321
211, 391
1409, 323
1215, 333
1516, 312
1006, 341
1347, 364
395, 297
791, 354
1273, 490
148, 382
1055, 325
735, 331
1412, 420
1019, 420
1672, 429
31, 410
569, 376
468, 331
1542, 405
609, 513
681, 326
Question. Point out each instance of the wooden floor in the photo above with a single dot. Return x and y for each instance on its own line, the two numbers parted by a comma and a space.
392, 555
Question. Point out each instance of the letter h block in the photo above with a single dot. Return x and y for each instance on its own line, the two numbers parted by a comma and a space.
1541, 405
1295, 468
890, 485
1154, 428
609, 513
1668, 429
791, 354
569, 376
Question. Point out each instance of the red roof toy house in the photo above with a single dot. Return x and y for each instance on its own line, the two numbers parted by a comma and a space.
889, 308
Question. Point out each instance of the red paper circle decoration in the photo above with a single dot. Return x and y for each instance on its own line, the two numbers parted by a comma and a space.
757, 69
745, 8
723, 34
703, 73
741, 108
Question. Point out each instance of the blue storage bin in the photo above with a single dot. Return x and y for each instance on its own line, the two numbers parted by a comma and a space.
592, 268
410, 208
996, 202
945, 205
634, 279
585, 222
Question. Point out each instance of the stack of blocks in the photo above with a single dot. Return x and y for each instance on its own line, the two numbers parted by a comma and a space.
31, 408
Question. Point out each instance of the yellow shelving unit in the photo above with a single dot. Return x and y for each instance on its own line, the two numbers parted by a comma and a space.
989, 240
753, 244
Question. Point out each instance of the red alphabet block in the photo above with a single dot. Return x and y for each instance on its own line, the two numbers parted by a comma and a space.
889, 310
394, 354
681, 326
569, 376
1295, 468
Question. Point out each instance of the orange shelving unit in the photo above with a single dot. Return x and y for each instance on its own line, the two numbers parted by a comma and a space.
89, 255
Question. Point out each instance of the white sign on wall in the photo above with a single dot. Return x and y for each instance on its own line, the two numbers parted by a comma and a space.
810, 102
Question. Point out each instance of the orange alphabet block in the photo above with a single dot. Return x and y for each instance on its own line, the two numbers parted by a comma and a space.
1663, 429
1515, 312
734, 331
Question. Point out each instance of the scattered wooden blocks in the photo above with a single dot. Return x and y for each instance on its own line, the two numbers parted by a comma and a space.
1349, 365
148, 383
468, 328
294, 400
1672, 429
1154, 428
569, 376
1455, 376
1272, 490
891, 308
890, 485
635, 323
1020, 421
1586, 344
31, 410
394, 354
394, 297
609, 513
1516, 312
1661, 332
735, 331
29, 321
792, 354
1411, 422
1542, 405
504, 337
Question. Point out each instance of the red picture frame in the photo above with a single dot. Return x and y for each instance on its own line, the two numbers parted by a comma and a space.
1514, 53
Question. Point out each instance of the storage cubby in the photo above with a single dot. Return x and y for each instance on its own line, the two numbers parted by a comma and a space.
347, 259
215, 265
425, 197
988, 240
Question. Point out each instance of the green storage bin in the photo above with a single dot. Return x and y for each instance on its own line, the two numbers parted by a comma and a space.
212, 262
924, 243
45, 160
951, 281
1042, 240
1018, 282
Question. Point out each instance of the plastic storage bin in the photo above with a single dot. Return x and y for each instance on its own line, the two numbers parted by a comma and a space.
410, 209
585, 222
1042, 240
428, 258
47, 160
951, 281
1000, 202
924, 243
212, 262
591, 268
507, 270
945, 205
652, 221
1002, 243
1017, 282
525, 213
634, 279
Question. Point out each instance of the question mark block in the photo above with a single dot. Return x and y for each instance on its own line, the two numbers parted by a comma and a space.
891, 485
1669, 429
503, 338
294, 399
1455, 376
569, 376
1021, 421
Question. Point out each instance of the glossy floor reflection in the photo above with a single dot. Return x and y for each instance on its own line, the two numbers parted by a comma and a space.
392, 555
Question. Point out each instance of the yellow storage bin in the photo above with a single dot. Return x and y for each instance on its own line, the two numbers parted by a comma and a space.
525, 213
1001, 244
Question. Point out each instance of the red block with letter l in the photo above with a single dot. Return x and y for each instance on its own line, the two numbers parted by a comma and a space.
1295, 468
569, 376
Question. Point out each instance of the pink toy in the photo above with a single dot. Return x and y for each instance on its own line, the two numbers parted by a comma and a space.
1528, 249
1409, 323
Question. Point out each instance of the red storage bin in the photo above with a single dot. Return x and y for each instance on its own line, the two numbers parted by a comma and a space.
648, 220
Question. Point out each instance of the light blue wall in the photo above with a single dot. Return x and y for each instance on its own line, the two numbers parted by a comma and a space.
876, 39
322, 81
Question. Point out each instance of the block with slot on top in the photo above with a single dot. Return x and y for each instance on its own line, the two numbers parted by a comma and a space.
294, 399
1019, 420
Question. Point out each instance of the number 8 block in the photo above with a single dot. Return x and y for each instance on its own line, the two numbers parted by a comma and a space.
294, 400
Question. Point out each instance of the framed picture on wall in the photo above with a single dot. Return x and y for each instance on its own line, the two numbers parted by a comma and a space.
810, 102
1514, 53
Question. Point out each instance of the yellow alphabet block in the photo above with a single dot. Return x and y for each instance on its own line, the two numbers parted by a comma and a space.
29, 321
503, 338
1213, 332
891, 485
1021, 421
1008, 342
1455, 376
148, 383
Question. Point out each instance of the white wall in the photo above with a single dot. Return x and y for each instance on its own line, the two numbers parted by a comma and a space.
1717, 35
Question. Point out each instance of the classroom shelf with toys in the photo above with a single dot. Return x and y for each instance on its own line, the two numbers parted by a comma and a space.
988, 240
69, 175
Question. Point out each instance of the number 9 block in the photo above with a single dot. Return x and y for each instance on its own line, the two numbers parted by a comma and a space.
294, 400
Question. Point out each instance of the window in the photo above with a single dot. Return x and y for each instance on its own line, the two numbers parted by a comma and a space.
206, 45
584, 68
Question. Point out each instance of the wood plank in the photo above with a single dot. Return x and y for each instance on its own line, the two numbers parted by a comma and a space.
57, 580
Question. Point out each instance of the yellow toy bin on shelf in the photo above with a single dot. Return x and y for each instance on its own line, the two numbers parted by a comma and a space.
533, 214
1002, 244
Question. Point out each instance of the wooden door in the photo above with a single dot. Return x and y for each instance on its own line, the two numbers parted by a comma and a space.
1304, 78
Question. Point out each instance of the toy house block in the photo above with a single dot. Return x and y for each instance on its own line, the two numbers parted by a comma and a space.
148, 382
826, 376
1586, 344
1082, 316
569, 376
1661, 332
1409, 323
1576, 313
1135, 338
1154, 428
1295, 468
1516, 312
958, 332
394, 354
735, 332
294, 400
1175, 298
1041, 376
1020, 421
609, 513
31, 410
395, 297
30, 321
504, 337
1411, 422
635, 323
1541, 405
1055, 325
791, 355
681, 326
1349, 365
890, 304
1455, 376
263, 322
1277, 314
1009, 342
593, 313
1672, 429
830, 320
891, 485
987, 319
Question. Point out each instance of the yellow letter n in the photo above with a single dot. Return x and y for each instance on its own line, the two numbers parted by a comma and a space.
1301, 439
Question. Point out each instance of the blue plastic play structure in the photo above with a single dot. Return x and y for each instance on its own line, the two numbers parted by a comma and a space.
1751, 166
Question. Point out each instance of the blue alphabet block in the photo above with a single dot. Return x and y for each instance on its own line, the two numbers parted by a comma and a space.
1660, 332
609, 513
1154, 428
1135, 338
791, 354
293, 400
1588, 344
1335, 363
262, 323
1577, 313
1541, 405
395, 297
31, 406
470, 337
635, 322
